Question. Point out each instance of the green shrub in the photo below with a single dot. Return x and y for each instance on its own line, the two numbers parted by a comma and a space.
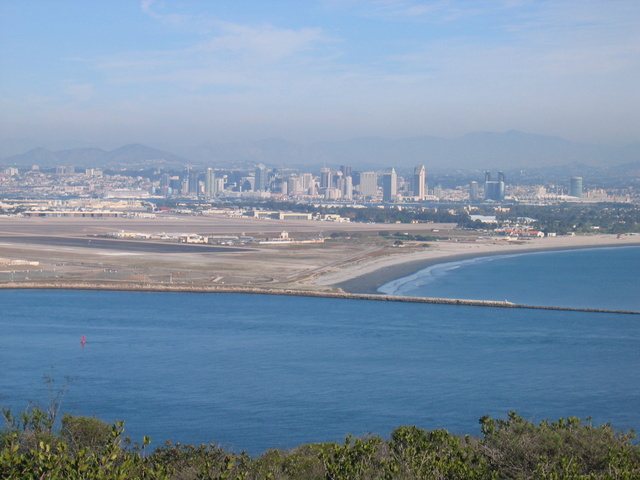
87, 448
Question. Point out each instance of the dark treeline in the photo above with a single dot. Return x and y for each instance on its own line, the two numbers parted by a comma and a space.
562, 218
87, 448
567, 217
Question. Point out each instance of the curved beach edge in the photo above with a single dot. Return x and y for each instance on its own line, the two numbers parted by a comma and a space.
367, 280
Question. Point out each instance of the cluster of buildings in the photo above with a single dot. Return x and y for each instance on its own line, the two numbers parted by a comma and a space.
66, 181
195, 238
332, 185
183, 237
343, 185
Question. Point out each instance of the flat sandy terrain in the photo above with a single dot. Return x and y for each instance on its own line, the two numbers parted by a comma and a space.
67, 250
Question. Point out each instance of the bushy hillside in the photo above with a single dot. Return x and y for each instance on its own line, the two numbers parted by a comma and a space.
87, 448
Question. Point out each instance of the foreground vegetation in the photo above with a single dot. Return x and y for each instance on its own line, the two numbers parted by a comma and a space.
87, 448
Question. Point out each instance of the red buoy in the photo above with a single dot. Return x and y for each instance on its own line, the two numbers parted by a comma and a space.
83, 341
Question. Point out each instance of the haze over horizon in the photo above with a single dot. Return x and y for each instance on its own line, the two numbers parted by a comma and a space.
171, 74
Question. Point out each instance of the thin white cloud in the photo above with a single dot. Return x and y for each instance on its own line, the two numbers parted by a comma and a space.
173, 19
434, 10
226, 53
145, 6
264, 43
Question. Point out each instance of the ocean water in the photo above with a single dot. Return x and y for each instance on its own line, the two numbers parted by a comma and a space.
252, 372
604, 278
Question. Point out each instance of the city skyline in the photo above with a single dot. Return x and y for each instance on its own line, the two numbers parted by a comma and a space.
172, 74
344, 185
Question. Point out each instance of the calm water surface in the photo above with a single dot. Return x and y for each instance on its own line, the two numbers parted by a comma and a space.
606, 278
255, 372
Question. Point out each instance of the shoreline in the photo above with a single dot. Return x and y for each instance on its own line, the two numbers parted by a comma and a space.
366, 279
360, 278
156, 288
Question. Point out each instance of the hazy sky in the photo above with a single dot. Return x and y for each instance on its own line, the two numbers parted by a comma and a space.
171, 72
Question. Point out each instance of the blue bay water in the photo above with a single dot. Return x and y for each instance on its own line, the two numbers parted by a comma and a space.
605, 278
255, 371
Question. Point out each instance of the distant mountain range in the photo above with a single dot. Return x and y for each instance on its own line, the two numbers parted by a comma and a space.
483, 150
134, 156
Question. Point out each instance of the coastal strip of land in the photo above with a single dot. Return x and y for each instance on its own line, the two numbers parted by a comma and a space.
69, 253
177, 288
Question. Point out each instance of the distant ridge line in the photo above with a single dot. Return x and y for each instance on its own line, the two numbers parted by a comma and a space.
149, 287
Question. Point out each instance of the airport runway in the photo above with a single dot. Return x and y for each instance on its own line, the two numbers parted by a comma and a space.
122, 245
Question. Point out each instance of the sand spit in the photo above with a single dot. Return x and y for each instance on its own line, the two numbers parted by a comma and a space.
287, 292
353, 268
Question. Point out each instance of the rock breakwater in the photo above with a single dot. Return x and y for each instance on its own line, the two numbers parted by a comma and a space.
181, 288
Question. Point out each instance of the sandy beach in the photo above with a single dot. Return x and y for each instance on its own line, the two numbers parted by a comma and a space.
368, 276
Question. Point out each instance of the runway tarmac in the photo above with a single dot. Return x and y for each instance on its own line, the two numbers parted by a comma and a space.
123, 245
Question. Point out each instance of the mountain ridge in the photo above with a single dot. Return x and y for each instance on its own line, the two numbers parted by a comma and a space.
484, 150
132, 155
